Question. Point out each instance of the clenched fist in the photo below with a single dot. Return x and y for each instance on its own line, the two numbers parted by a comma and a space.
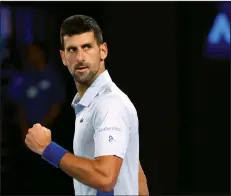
38, 138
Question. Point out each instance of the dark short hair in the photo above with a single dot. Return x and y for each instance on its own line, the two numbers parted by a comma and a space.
78, 24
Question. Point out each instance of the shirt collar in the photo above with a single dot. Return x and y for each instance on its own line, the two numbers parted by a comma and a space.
103, 79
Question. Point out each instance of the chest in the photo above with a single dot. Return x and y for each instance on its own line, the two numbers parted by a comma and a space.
83, 143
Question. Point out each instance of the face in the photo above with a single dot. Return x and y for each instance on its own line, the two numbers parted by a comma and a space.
34, 55
83, 57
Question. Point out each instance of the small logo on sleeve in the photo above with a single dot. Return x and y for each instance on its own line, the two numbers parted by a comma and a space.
110, 138
81, 120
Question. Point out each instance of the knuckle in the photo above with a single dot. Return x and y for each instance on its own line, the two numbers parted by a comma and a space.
37, 125
45, 129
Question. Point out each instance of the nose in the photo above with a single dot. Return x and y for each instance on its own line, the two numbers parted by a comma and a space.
80, 56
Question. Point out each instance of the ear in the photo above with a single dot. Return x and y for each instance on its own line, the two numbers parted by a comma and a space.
103, 51
62, 54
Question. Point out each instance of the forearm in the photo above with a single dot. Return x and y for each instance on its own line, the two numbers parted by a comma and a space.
52, 114
86, 171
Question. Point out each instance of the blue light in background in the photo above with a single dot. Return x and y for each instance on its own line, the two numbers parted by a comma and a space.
5, 29
24, 24
218, 39
5, 22
220, 30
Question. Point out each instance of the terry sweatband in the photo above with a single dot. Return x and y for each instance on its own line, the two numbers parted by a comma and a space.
53, 153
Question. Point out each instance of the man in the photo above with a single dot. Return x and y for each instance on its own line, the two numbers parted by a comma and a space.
39, 89
106, 141
39, 94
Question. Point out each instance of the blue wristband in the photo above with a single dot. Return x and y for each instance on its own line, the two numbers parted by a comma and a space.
53, 153
101, 193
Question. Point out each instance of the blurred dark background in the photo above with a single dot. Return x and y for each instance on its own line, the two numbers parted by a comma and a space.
171, 58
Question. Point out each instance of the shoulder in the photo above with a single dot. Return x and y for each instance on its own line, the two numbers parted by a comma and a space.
112, 99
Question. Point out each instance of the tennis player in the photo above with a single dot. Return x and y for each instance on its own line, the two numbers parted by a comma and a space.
106, 140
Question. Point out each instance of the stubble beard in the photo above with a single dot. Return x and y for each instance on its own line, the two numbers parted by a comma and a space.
85, 77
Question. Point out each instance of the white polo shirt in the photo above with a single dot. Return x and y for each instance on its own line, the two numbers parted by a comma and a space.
107, 124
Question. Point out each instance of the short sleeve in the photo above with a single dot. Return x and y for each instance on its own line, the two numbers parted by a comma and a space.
111, 126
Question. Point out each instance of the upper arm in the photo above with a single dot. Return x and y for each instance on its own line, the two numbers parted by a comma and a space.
109, 167
111, 126
143, 187
142, 176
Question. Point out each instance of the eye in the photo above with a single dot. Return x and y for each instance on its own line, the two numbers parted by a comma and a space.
72, 49
87, 46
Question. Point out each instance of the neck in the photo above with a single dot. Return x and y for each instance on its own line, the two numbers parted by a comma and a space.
82, 88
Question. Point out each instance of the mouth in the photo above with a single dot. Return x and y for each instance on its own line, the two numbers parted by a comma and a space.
81, 69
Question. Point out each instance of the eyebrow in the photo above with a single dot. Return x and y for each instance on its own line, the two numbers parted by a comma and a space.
75, 47
87, 44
